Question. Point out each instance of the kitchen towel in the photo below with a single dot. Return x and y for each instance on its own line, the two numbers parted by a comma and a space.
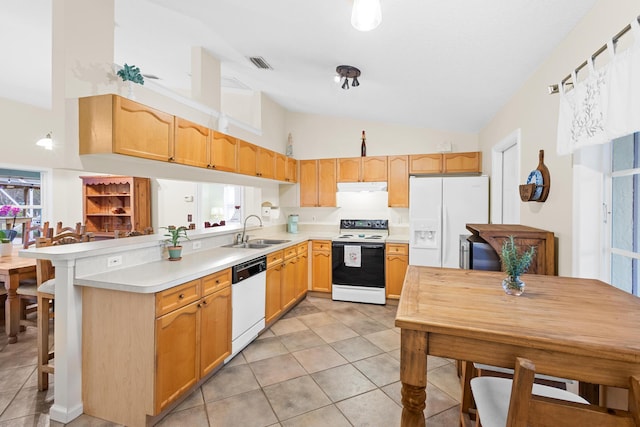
352, 256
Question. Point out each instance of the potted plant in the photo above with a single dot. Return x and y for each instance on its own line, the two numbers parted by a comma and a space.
131, 73
514, 265
175, 236
9, 211
6, 248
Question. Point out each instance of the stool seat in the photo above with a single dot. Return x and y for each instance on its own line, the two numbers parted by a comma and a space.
493, 394
48, 287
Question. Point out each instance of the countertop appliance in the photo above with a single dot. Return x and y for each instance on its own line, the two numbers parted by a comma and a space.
248, 294
476, 254
358, 261
439, 209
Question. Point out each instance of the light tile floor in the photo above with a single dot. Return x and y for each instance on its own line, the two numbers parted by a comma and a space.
326, 363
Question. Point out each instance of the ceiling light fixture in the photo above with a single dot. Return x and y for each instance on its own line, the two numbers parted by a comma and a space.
366, 14
46, 142
347, 72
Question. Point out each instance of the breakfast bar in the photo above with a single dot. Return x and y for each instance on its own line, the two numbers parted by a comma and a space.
574, 328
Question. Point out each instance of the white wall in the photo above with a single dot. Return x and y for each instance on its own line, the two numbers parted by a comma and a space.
536, 113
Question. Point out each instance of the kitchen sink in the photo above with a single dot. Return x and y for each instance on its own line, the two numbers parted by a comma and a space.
267, 242
248, 245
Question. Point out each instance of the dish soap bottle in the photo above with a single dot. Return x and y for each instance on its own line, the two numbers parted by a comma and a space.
363, 146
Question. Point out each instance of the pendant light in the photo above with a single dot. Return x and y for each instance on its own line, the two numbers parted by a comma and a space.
366, 14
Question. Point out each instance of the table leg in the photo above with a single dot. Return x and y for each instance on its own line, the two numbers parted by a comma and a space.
12, 308
413, 374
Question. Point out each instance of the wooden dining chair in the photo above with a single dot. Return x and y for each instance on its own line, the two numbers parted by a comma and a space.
61, 229
518, 402
31, 232
45, 274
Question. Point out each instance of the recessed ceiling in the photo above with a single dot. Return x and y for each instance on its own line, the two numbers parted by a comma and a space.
447, 65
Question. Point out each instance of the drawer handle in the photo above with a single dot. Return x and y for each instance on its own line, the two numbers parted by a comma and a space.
181, 296
217, 281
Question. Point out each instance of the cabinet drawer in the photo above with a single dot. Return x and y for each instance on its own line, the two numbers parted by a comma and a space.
275, 258
290, 252
302, 248
177, 297
397, 249
321, 245
216, 281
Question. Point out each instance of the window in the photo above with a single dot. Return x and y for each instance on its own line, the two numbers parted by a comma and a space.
22, 189
625, 213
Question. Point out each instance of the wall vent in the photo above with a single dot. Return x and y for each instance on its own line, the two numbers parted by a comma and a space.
259, 62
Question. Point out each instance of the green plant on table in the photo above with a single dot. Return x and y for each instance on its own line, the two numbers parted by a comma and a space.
175, 235
515, 264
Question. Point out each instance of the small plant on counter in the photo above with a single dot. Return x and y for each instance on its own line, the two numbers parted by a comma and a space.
175, 236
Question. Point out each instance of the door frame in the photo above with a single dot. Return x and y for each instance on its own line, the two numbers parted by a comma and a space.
497, 151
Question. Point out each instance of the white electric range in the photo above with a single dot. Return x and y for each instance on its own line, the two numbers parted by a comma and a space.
358, 255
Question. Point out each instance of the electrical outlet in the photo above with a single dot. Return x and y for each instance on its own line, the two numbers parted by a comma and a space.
114, 261
197, 244
313, 218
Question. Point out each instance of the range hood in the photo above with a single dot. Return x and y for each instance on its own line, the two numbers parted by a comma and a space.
362, 186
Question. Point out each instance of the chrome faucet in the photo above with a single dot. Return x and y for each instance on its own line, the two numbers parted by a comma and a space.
244, 229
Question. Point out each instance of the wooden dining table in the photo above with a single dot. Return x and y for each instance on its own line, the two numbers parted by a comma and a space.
574, 328
13, 269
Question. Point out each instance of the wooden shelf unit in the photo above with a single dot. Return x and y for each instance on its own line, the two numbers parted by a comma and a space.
115, 203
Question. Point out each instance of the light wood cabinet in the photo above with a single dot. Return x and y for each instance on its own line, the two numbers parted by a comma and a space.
280, 167
291, 168
191, 144
321, 265
318, 183
266, 161
396, 263
247, 158
281, 282
398, 181
115, 203
469, 162
141, 352
112, 124
223, 152
302, 269
362, 169
289, 267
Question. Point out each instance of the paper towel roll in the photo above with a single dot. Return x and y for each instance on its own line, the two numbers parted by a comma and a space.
275, 212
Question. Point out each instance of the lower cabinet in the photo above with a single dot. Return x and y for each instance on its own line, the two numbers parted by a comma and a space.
396, 263
281, 282
141, 352
321, 265
302, 269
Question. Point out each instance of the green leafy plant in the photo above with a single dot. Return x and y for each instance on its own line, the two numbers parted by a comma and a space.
513, 263
175, 235
131, 73
3, 237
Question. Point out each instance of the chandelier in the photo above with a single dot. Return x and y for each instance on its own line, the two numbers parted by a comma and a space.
346, 72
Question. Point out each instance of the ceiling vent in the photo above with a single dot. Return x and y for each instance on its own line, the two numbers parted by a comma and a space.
259, 62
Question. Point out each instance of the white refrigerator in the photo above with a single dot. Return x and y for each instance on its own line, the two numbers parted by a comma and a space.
439, 209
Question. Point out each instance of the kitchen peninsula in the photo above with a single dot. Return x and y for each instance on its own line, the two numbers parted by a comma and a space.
105, 317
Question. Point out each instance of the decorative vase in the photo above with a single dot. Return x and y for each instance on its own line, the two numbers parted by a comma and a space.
175, 253
6, 249
513, 285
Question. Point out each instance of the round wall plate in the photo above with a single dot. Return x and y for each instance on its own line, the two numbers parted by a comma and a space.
535, 177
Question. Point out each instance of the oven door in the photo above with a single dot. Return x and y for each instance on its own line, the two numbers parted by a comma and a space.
371, 270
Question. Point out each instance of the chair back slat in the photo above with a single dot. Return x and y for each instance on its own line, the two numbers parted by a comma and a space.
77, 229
29, 229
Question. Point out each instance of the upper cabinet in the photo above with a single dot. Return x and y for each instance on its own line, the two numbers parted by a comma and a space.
470, 162
318, 183
191, 144
223, 153
398, 182
255, 161
111, 124
362, 169
266, 163
291, 170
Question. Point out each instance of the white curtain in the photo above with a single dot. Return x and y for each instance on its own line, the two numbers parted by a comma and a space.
605, 105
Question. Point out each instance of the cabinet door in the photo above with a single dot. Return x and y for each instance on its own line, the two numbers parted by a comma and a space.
398, 185
141, 204
223, 152
291, 167
266, 163
348, 169
289, 282
177, 355
425, 163
462, 162
215, 330
302, 273
397, 260
327, 182
273, 304
374, 169
321, 271
281, 167
142, 131
191, 145
247, 158
308, 183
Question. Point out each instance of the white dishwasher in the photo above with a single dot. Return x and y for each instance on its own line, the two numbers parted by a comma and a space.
248, 294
